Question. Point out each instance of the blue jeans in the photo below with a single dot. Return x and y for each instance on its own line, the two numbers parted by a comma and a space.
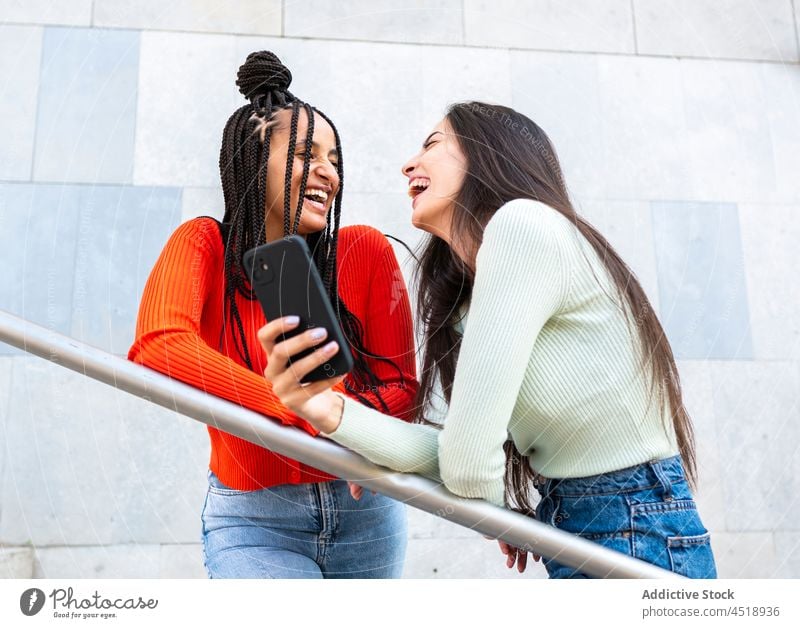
314, 530
646, 511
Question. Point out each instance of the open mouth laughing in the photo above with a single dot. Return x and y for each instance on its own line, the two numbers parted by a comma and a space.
316, 199
416, 187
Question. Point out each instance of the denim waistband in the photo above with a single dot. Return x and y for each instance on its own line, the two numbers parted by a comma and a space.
655, 473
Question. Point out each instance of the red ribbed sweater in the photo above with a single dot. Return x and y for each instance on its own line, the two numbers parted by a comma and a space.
179, 328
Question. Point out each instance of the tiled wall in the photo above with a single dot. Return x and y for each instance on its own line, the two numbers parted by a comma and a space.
678, 125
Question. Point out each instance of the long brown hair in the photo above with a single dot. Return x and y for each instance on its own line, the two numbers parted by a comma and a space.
510, 157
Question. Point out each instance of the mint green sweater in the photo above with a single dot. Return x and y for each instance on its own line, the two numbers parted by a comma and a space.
546, 357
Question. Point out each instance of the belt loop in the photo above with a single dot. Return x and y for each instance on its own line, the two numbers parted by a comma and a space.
544, 492
550, 485
666, 485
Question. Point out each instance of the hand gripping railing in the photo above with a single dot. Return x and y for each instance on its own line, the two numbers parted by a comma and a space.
478, 515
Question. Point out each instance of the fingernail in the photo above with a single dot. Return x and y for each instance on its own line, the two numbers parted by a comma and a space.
330, 347
318, 334
292, 320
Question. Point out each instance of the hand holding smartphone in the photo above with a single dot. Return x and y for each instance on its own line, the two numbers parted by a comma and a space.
286, 282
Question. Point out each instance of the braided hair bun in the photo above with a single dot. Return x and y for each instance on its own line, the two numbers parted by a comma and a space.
262, 77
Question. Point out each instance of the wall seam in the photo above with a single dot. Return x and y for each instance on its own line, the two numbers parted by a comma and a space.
36, 112
444, 45
136, 106
463, 22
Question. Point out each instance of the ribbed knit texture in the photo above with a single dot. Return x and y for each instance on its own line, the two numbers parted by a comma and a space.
546, 356
178, 332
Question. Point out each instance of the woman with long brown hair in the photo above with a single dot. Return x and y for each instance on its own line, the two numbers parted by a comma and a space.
535, 329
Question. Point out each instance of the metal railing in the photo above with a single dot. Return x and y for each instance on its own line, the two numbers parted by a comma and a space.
422, 493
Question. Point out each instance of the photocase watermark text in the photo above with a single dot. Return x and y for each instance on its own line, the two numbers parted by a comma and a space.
65, 599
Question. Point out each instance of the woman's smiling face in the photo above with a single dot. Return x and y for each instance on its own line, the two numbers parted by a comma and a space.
435, 176
323, 178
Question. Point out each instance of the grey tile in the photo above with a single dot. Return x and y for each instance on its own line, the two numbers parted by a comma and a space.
449, 75
20, 58
244, 16
744, 555
780, 83
166, 456
717, 29
561, 94
462, 558
182, 561
113, 469
413, 21
202, 202
121, 231
769, 240
755, 404
644, 128
87, 105
628, 227
37, 243
701, 280
698, 397
787, 549
82, 255
178, 138
580, 25
729, 141
16, 562
104, 561
73, 13
63, 466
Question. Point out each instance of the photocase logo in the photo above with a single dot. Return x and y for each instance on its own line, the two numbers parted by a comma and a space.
67, 605
31, 602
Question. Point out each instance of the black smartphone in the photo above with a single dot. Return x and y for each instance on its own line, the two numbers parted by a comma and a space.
286, 282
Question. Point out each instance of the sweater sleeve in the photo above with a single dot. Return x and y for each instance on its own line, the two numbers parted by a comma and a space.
521, 280
168, 336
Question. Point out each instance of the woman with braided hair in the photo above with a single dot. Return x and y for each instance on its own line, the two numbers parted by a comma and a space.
266, 515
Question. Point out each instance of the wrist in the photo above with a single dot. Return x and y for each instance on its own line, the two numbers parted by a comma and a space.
334, 417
